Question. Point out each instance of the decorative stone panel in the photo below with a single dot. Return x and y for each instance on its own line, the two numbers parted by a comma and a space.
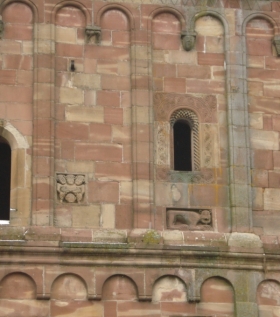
189, 219
70, 188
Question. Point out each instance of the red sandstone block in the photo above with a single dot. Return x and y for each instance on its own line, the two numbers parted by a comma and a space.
43, 128
276, 159
143, 171
260, 178
114, 20
99, 152
158, 84
13, 31
272, 62
110, 308
70, 17
164, 70
72, 131
17, 13
25, 127
260, 47
67, 149
107, 67
205, 86
273, 179
138, 309
223, 292
167, 23
23, 62
263, 74
115, 82
210, 59
263, 104
99, 132
7, 77
262, 159
25, 78
19, 111
43, 189
113, 171
106, 192
175, 85
90, 66
61, 63
16, 94
69, 50
76, 235
208, 195
113, 115
141, 82
163, 41
192, 71
267, 122
173, 308
140, 37
108, 98
120, 38
44, 60
106, 52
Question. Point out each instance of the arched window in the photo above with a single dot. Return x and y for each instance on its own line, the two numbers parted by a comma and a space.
185, 140
5, 177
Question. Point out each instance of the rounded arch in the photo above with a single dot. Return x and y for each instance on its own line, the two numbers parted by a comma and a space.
170, 10
174, 288
72, 3
219, 278
119, 286
259, 16
23, 283
214, 14
15, 139
69, 286
29, 3
115, 6
268, 292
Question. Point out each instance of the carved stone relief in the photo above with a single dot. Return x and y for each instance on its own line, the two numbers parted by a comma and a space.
189, 219
204, 106
162, 143
188, 40
209, 145
93, 31
70, 188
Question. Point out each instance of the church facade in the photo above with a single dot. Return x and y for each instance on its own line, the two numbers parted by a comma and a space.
140, 158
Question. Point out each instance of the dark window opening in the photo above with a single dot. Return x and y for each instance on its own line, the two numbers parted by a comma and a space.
5, 176
182, 134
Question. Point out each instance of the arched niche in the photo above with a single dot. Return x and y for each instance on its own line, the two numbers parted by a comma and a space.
17, 286
217, 297
69, 287
169, 288
119, 287
268, 298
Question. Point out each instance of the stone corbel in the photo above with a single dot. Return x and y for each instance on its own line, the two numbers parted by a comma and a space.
188, 40
276, 42
93, 31
1, 29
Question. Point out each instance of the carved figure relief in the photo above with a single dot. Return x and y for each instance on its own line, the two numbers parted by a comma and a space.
93, 31
70, 188
276, 42
188, 40
204, 106
195, 219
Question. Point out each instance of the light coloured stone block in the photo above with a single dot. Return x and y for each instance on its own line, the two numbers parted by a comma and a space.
108, 216
71, 96
86, 216
85, 114
209, 26
264, 140
256, 120
91, 81
272, 199
180, 57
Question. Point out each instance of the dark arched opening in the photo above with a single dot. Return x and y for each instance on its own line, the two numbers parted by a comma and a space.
5, 176
182, 136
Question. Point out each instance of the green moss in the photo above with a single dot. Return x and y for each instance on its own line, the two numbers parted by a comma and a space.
151, 237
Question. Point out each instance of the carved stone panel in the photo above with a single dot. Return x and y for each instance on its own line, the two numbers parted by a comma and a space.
206, 106
162, 143
189, 219
70, 188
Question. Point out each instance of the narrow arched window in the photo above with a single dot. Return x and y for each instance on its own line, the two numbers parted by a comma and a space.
185, 140
182, 146
5, 177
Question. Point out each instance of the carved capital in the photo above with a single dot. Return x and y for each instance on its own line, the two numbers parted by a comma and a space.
92, 31
188, 40
276, 42
1, 29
